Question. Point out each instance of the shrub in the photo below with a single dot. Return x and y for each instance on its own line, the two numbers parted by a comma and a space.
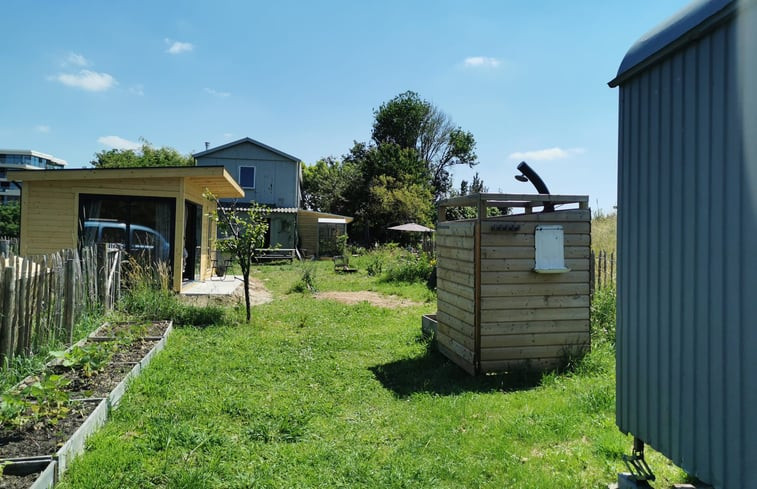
307, 280
410, 268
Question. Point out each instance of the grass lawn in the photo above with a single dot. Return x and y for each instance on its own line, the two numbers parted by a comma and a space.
315, 393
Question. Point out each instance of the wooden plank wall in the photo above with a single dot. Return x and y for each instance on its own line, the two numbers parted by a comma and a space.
50, 214
456, 313
307, 228
529, 318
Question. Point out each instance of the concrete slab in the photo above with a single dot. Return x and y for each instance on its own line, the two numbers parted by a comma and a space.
227, 286
626, 481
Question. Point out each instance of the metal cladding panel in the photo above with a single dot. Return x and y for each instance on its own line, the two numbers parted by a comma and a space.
687, 240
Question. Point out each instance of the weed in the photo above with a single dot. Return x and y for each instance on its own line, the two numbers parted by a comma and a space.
410, 268
603, 314
306, 283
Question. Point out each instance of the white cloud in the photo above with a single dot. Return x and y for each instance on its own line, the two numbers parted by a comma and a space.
117, 142
177, 47
137, 89
44, 129
546, 154
216, 93
76, 59
228, 136
481, 62
91, 81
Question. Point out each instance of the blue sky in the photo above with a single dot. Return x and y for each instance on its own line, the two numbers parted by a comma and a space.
528, 79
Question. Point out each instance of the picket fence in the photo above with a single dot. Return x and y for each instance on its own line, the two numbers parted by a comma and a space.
42, 297
603, 270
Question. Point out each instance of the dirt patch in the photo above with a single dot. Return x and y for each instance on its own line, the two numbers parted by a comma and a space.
374, 298
258, 295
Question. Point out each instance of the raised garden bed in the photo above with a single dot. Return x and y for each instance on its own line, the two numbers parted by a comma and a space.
50, 416
29, 473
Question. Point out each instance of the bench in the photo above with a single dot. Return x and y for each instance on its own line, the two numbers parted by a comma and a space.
275, 254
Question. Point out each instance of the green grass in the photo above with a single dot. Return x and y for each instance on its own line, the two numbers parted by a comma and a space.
315, 393
604, 232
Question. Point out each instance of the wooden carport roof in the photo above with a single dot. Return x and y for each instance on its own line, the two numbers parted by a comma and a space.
214, 178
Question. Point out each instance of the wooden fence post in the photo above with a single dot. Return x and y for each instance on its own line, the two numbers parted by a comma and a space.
6, 326
69, 291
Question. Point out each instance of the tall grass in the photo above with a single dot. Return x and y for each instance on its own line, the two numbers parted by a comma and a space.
604, 231
148, 296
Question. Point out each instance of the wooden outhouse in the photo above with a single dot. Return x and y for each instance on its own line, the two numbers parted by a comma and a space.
687, 228
513, 291
159, 213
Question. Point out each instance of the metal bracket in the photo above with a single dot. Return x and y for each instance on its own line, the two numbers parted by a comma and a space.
636, 463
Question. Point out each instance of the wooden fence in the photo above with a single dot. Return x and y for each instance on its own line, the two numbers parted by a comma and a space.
8, 245
603, 270
42, 297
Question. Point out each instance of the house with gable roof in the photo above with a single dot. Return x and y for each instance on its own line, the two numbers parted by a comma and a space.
273, 178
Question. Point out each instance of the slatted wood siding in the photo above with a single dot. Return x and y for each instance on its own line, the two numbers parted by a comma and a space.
456, 292
527, 317
494, 311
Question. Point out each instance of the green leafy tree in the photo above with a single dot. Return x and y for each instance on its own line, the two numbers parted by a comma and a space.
411, 122
147, 156
245, 232
326, 185
476, 186
396, 177
393, 201
10, 219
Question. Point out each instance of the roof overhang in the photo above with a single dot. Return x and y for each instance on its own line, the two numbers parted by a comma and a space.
213, 178
325, 215
690, 23
250, 141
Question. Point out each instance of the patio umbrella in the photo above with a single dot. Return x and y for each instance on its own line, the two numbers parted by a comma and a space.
412, 227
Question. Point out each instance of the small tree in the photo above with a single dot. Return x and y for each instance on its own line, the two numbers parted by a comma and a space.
10, 218
245, 232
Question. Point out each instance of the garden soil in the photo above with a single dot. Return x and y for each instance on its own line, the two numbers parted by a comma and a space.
373, 298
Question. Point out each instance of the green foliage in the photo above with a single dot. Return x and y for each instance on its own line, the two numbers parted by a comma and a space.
604, 231
10, 219
325, 394
326, 185
397, 177
50, 398
413, 123
89, 358
306, 283
147, 156
245, 232
603, 314
13, 411
410, 268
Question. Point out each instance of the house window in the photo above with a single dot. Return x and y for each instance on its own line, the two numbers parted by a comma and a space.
247, 176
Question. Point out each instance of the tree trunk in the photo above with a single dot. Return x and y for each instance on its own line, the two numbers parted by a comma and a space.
246, 276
